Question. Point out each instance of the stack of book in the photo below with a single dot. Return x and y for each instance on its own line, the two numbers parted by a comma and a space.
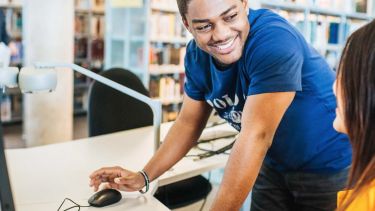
167, 54
166, 88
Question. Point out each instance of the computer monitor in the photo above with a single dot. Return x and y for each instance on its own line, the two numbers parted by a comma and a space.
6, 198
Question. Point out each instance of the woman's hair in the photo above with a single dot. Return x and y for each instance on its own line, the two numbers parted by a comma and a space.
356, 75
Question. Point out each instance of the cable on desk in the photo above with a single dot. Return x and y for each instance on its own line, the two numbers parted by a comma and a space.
210, 153
69, 208
215, 138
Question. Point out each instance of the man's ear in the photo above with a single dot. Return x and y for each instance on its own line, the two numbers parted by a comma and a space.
245, 5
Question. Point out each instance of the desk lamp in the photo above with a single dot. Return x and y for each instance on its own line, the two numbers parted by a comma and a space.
43, 77
27, 85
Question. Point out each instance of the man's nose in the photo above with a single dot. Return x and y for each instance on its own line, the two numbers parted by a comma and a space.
220, 32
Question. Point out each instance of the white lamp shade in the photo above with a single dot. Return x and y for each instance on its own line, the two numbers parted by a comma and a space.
33, 80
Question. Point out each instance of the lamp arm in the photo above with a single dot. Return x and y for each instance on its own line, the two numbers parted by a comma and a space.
153, 104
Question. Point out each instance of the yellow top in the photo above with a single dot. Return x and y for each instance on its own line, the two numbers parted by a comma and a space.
365, 201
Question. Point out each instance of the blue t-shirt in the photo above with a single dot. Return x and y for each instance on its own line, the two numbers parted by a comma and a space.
276, 58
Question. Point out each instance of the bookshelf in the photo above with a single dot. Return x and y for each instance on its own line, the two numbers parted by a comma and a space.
154, 43
126, 41
325, 24
11, 103
154, 49
88, 46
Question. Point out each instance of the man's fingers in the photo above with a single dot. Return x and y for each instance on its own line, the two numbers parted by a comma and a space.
116, 186
101, 172
97, 182
109, 185
114, 177
107, 171
97, 185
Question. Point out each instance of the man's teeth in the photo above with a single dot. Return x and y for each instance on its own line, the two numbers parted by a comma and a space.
222, 47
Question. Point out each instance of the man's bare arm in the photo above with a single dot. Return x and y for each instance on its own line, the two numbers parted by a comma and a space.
181, 137
261, 116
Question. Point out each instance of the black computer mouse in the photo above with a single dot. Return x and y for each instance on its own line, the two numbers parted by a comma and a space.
105, 197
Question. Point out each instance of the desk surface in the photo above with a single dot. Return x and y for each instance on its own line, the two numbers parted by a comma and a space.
189, 166
42, 177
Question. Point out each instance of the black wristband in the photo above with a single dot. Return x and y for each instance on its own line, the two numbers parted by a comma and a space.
147, 182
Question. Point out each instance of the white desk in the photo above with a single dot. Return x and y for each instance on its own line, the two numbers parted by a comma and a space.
42, 177
189, 166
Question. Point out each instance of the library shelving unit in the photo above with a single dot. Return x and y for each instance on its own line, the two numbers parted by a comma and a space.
88, 46
325, 24
148, 38
11, 104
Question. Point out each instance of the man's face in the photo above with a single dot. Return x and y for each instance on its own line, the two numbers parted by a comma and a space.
219, 27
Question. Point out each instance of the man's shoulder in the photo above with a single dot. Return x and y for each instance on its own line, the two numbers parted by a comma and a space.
264, 22
270, 33
264, 17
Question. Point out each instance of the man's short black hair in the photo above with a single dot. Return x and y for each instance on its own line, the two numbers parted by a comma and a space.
182, 7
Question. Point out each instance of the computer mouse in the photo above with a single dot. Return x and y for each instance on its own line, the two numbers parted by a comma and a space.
105, 197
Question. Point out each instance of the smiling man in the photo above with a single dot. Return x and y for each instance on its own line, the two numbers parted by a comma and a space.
260, 75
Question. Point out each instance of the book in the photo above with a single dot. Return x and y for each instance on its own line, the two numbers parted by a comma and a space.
361, 6
80, 48
167, 54
97, 49
333, 37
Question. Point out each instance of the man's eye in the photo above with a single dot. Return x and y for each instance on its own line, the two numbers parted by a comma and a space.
204, 28
230, 18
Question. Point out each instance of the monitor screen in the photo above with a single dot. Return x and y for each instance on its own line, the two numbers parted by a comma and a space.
6, 199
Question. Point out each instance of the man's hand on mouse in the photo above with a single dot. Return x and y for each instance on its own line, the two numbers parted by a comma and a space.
117, 178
